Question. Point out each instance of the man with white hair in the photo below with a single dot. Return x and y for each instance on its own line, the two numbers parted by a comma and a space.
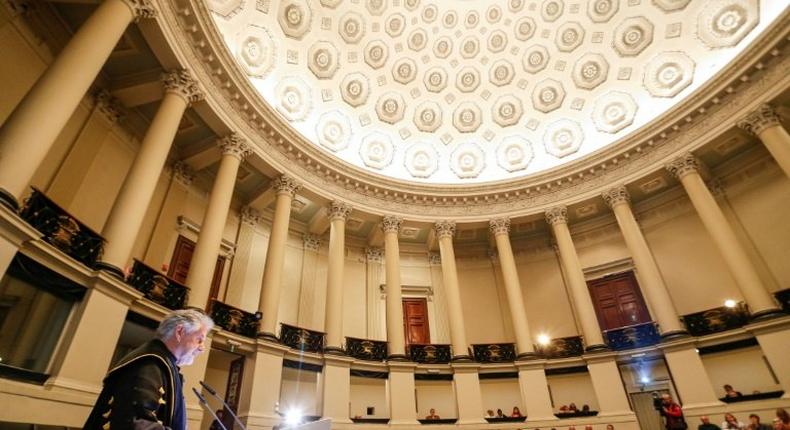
144, 391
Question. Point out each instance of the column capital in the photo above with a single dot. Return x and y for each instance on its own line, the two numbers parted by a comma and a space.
234, 145
338, 210
391, 224
492, 255
182, 173
374, 255
615, 196
108, 105
499, 226
181, 83
683, 165
434, 258
141, 8
444, 228
557, 215
285, 184
759, 119
311, 242
250, 216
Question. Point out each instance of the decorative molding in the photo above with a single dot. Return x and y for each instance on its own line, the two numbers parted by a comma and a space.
391, 224
499, 226
410, 290
181, 83
615, 196
683, 165
141, 9
557, 215
285, 184
760, 119
444, 229
226, 247
235, 146
338, 210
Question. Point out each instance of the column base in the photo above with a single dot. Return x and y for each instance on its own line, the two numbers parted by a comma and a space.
7, 199
334, 350
457, 358
271, 337
767, 314
398, 357
673, 335
111, 269
596, 348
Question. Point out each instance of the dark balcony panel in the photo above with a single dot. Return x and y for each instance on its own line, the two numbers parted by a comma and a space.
158, 287
62, 230
716, 320
234, 319
571, 346
301, 338
506, 419
430, 353
494, 353
783, 296
634, 336
366, 349
577, 414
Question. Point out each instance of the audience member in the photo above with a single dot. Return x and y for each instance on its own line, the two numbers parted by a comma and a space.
782, 421
609, 427
500, 414
490, 413
730, 392
564, 408
706, 425
672, 413
585, 408
432, 415
572, 408
516, 413
588, 427
732, 423
755, 424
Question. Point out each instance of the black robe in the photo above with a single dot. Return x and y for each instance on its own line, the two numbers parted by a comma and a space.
144, 391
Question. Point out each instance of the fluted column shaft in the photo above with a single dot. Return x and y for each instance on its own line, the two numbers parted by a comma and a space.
275, 255
395, 335
652, 282
445, 230
133, 199
204, 259
30, 131
500, 228
585, 311
765, 124
686, 169
338, 213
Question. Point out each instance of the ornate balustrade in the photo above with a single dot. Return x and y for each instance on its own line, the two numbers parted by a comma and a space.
301, 338
430, 353
571, 346
158, 287
634, 336
234, 319
716, 320
783, 296
62, 230
494, 352
366, 349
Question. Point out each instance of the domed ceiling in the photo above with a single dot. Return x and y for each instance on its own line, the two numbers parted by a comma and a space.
450, 91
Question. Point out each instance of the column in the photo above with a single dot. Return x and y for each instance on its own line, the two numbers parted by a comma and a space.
500, 228
286, 188
201, 269
374, 275
133, 199
608, 385
689, 374
650, 278
557, 218
239, 292
686, 169
338, 214
403, 404
395, 337
336, 388
310, 315
31, 129
445, 230
260, 386
764, 123
181, 177
772, 336
535, 390
468, 397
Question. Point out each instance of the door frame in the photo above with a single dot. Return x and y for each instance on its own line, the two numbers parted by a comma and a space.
438, 334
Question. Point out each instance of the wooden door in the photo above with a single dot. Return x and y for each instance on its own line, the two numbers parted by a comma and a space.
182, 258
415, 321
618, 301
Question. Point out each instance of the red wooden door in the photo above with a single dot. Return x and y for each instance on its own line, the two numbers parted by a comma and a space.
618, 301
182, 258
415, 321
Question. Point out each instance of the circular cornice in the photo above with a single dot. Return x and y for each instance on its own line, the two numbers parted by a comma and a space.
743, 84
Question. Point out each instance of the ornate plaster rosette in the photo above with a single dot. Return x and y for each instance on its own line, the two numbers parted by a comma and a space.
376, 53
376, 150
668, 74
671, 5
514, 153
428, 116
467, 117
602, 10
404, 70
524, 28
294, 17
429, 13
376, 7
390, 107
507, 110
467, 79
435, 79
469, 47
548, 95
333, 130
468, 160
255, 51
355, 89
725, 23
443, 47
563, 138
225, 8
497, 41
632, 36
590, 70
535, 59
421, 160
293, 98
395, 24
569, 36
417, 39
501, 72
322, 59
614, 111
551, 10
493, 14
351, 27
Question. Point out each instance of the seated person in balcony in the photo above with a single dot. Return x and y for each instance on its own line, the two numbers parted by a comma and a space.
572, 408
586, 408
755, 424
706, 424
490, 414
730, 392
732, 423
564, 409
432, 415
516, 413
609, 427
500, 414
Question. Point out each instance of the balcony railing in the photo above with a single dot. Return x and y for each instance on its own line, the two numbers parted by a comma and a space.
366, 349
716, 320
62, 230
301, 338
494, 353
158, 287
430, 353
783, 297
234, 319
571, 346
634, 336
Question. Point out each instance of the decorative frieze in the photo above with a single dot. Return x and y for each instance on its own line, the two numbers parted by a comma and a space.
180, 82
499, 226
616, 195
444, 229
235, 145
285, 184
760, 119
683, 165
557, 215
338, 210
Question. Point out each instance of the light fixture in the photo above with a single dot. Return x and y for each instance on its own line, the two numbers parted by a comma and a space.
544, 339
644, 379
293, 417
730, 303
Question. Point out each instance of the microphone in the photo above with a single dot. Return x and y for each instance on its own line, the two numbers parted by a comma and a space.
213, 392
204, 404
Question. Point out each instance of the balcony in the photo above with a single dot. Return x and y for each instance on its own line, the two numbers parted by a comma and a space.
716, 320
494, 353
234, 319
366, 349
301, 338
430, 353
634, 336
563, 347
158, 287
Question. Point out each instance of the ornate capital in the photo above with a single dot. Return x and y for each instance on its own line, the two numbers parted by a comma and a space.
716, 188
557, 215
444, 228
311, 242
235, 145
761, 118
493, 255
374, 255
338, 210
683, 165
285, 184
434, 259
250, 216
141, 8
499, 226
181, 83
391, 224
615, 196
182, 173
108, 105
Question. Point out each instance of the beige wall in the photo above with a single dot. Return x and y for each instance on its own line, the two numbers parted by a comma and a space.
300, 390
369, 392
745, 369
480, 301
217, 378
438, 395
501, 394
573, 388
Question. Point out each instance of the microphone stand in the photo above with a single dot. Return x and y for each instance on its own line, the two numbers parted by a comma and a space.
227, 407
204, 404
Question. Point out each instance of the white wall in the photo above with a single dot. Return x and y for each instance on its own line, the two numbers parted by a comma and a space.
300, 390
573, 388
438, 395
501, 394
367, 392
745, 369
